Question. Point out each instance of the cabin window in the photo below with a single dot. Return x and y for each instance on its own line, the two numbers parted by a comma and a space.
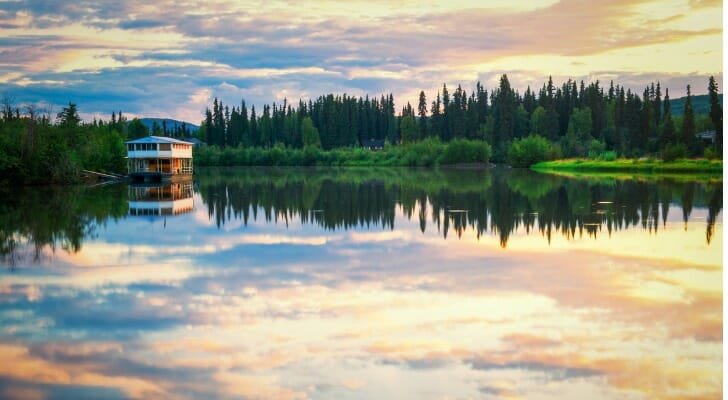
165, 147
130, 147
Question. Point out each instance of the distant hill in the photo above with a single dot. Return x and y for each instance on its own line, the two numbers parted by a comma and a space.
701, 104
172, 124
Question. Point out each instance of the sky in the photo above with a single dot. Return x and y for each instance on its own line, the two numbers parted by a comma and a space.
171, 58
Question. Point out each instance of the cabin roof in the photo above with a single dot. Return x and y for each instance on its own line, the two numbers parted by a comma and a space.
157, 139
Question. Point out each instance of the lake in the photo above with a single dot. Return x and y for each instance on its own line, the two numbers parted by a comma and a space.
362, 284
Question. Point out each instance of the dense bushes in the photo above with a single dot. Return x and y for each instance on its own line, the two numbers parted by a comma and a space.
466, 151
674, 151
530, 150
426, 153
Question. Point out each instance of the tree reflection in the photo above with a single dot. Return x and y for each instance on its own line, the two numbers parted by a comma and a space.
499, 201
33, 218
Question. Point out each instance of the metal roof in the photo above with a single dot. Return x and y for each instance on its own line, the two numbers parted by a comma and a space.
158, 139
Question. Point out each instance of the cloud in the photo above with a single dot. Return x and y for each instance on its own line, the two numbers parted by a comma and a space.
142, 24
293, 51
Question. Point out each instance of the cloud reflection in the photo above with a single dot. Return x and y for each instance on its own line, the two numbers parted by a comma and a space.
297, 309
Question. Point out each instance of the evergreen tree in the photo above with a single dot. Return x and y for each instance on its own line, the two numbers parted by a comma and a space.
445, 117
687, 132
254, 137
436, 117
657, 109
716, 114
422, 112
68, 117
137, 129
504, 109
667, 130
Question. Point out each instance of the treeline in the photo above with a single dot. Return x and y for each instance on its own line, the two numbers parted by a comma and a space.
574, 118
340, 121
35, 148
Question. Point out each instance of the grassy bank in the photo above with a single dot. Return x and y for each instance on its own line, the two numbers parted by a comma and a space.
648, 166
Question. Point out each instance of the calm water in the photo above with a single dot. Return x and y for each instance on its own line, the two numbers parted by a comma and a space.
364, 284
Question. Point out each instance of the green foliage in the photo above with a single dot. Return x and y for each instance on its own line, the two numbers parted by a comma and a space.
596, 149
34, 151
137, 129
538, 122
711, 154
687, 132
466, 151
627, 165
309, 134
408, 129
579, 132
674, 152
716, 114
528, 151
425, 153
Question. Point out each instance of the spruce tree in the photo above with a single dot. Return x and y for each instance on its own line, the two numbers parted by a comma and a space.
716, 114
667, 131
687, 133
422, 112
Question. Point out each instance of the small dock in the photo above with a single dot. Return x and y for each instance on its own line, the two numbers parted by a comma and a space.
109, 176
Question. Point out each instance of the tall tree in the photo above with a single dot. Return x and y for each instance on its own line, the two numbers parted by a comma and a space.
716, 114
68, 117
687, 132
504, 111
422, 112
667, 130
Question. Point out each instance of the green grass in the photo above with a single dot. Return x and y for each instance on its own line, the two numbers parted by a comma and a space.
696, 169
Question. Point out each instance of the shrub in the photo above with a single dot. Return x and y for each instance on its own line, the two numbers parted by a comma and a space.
528, 151
711, 154
466, 151
608, 155
596, 149
674, 152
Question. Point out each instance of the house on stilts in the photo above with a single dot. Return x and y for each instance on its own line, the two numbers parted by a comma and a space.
158, 159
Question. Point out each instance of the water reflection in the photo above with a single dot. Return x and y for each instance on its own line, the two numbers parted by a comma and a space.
34, 218
392, 283
161, 199
455, 200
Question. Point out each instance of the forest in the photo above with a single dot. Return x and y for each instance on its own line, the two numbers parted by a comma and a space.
500, 125
575, 120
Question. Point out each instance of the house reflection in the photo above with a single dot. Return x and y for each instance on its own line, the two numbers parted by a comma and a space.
161, 199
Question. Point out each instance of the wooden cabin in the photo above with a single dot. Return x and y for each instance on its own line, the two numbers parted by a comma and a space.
157, 159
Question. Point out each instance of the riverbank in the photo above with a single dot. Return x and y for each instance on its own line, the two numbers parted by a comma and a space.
689, 166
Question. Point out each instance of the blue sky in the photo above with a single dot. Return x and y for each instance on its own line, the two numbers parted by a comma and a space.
170, 59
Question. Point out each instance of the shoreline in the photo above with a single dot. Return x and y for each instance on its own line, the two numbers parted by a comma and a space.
645, 166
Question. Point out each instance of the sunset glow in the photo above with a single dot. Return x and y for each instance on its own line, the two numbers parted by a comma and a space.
152, 60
